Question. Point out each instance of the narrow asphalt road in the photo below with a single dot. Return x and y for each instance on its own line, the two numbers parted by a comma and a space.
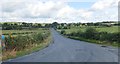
68, 50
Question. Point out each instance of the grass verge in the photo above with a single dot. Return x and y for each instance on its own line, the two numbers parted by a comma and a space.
95, 41
15, 54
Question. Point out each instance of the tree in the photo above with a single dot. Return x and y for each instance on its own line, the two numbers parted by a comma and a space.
54, 25
47, 25
39, 25
24, 24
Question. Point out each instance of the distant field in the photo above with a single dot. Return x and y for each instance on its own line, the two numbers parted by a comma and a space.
15, 32
109, 29
112, 29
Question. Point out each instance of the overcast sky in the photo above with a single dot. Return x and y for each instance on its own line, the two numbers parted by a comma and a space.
48, 11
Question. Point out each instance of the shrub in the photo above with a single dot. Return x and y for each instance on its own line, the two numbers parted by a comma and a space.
21, 42
62, 32
90, 33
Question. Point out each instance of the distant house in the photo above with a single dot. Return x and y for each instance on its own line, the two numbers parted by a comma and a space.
109, 23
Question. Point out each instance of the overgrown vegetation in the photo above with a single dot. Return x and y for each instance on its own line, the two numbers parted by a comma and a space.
22, 38
92, 32
18, 43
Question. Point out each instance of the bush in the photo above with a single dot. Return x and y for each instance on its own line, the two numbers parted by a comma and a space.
20, 42
62, 32
59, 27
90, 33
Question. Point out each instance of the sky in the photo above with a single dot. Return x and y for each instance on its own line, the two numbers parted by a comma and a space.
62, 11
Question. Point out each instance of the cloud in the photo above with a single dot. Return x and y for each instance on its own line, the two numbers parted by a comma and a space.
103, 4
105, 10
35, 9
50, 11
72, 14
44, 10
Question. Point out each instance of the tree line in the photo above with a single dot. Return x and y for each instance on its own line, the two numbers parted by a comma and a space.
97, 24
22, 25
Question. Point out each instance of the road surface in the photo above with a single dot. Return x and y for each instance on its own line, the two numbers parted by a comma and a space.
69, 50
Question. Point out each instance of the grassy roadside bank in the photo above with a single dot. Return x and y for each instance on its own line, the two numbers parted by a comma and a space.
30, 48
93, 35
94, 41
15, 54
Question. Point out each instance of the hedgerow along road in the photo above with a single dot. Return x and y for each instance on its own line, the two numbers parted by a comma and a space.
68, 50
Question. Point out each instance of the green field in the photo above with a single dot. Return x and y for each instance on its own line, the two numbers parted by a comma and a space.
19, 31
112, 29
22, 32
